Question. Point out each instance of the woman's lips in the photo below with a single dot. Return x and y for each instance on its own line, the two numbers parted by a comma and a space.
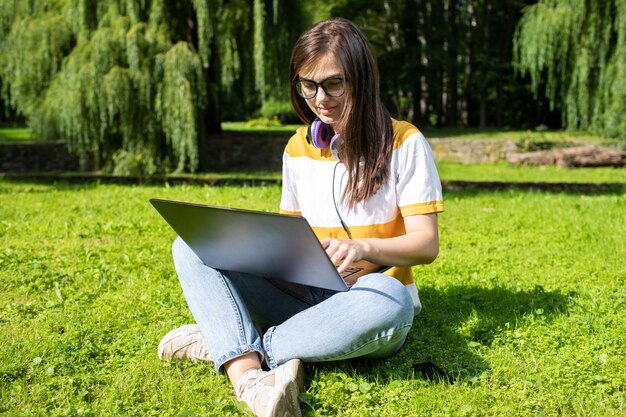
325, 110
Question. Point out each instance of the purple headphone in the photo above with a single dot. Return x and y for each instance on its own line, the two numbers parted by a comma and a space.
322, 136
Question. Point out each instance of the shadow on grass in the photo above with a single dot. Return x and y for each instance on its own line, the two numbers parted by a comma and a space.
468, 188
455, 324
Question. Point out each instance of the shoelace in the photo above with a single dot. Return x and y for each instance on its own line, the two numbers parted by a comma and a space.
201, 354
246, 388
193, 349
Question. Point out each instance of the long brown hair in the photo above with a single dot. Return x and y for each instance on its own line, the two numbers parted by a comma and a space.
365, 126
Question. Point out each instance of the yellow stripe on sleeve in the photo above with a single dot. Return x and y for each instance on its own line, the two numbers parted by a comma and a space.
401, 131
422, 208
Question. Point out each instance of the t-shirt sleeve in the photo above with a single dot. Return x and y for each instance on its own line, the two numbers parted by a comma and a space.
289, 197
418, 187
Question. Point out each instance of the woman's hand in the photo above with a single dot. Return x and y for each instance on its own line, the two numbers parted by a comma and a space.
343, 253
420, 245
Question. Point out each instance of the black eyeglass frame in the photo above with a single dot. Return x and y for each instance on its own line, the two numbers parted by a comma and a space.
298, 86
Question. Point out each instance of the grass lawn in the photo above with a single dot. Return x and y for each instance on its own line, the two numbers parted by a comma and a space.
24, 134
523, 310
20, 134
513, 134
456, 133
502, 171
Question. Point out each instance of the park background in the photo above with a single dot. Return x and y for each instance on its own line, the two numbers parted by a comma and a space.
524, 308
144, 86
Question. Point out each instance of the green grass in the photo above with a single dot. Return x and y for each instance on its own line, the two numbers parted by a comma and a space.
524, 310
504, 172
24, 134
454, 133
15, 134
520, 135
514, 134
244, 127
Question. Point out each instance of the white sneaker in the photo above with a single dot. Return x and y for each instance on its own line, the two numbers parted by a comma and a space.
184, 343
291, 371
273, 393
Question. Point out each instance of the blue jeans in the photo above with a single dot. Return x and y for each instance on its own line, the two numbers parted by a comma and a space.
372, 319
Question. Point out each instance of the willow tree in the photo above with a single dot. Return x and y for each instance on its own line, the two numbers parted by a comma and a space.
134, 84
277, 25
575, 50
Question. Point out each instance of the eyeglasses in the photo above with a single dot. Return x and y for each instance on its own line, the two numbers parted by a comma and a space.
333, 87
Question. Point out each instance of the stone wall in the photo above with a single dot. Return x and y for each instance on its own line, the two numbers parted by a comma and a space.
471, 151
22, 157
266, 153
225, 152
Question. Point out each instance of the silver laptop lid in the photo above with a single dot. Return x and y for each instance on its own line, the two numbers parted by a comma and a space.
260, 243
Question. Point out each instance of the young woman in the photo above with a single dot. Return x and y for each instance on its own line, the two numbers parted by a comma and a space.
368, 186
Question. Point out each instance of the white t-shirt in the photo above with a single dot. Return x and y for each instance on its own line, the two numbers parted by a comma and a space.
413, 188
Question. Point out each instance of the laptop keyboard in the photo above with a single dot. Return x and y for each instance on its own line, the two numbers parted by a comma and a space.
350, 271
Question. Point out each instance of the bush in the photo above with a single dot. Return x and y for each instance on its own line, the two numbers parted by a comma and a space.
279, 109
263, 122
135, 164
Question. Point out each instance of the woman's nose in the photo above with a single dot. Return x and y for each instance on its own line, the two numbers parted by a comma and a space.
321, 94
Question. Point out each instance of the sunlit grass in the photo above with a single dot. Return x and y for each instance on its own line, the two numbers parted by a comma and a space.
453, 133
455, 171
15, 134
246, 127
21, 134
523, 310
513, 134
506, 172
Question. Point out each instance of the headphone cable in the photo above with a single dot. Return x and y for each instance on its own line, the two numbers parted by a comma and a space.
343, 224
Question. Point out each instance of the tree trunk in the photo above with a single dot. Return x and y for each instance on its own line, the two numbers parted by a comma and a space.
483, 92
452, 65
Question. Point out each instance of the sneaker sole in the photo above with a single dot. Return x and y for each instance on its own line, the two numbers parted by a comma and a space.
291, 371
287, 405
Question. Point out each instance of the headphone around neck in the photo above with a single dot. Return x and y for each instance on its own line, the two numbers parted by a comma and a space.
322, 136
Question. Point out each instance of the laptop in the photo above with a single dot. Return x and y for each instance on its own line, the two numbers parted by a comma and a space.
265, 244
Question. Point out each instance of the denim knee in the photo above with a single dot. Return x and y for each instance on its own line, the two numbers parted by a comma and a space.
179, 248
388, 290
